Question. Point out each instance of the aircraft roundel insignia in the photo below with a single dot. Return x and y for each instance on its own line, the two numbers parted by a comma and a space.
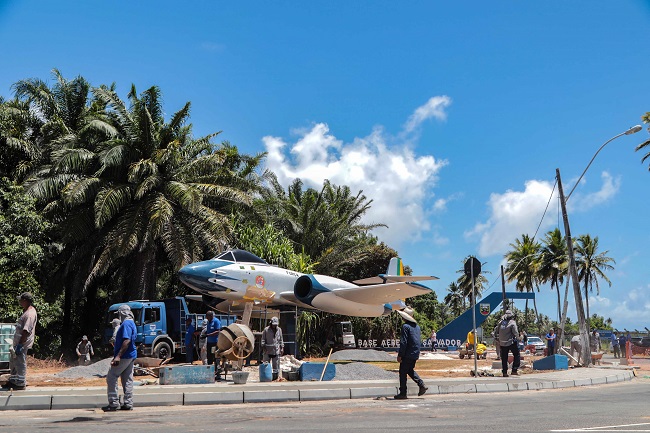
259, 281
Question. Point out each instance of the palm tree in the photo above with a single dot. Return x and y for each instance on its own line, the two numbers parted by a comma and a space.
325, 224
591, 265
522, 266
465, 283
552, 263
645, 144
43, 123
152, 193
455, 300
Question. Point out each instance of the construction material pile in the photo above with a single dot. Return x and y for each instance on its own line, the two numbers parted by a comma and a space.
361, 371
98, 369
364, 355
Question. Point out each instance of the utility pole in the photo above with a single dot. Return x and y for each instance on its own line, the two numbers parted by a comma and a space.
573, 274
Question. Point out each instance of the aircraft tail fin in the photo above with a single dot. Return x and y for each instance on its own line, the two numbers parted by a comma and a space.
394, 274
395, 267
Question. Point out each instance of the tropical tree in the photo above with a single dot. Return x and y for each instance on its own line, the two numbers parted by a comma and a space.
325, 224
591, 265
522, 265
455, 299
646, 144
552, 263
137, 195
24, 250
465, 283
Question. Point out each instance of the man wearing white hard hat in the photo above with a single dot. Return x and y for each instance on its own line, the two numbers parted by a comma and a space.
273, 345
409, 353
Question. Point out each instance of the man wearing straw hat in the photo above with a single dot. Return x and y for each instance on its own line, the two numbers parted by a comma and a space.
409, 353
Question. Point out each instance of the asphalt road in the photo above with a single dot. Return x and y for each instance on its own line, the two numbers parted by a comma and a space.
623, 407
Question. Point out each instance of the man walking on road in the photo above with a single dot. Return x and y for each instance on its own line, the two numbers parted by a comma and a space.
409, 353
508, 340
124, 354
23, 341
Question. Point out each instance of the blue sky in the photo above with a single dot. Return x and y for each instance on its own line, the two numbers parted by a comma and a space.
451, 117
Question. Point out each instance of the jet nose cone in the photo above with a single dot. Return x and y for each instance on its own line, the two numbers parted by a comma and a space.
194, 274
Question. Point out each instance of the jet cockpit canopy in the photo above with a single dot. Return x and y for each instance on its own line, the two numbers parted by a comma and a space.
239, 256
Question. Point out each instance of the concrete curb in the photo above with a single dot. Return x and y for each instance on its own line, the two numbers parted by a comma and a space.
169, 395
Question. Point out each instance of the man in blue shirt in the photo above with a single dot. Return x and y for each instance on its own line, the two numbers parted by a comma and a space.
212, 334
124, 353
409, 353
189, 340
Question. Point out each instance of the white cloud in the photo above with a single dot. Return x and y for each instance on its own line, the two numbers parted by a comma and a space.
629, 310
434, 108
385, 168
512, 214
609, 189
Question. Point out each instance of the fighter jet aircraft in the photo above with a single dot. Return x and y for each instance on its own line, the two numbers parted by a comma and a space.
237, 276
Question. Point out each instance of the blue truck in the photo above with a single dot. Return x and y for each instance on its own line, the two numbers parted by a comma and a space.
161, 325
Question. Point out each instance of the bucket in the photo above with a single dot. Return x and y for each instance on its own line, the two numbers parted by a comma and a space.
239, 377
266, 372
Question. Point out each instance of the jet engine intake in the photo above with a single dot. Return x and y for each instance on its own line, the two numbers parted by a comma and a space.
307, 287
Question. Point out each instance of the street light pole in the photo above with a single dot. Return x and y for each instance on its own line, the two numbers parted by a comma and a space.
573, 270
580, 311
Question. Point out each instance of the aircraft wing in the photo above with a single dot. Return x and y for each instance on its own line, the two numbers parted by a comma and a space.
381, 293
381, 279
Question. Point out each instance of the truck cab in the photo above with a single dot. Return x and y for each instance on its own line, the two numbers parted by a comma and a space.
160, 325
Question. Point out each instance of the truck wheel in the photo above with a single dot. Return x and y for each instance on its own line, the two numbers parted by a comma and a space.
162, 350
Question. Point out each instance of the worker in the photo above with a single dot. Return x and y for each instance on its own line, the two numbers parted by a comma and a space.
576, 347
273, 345
84, 351
550, 342
497, 347
616, 348
622, 341
434, 341
22, 342
508, 334
203, 342
189, 340
212, 333
115, 323
409, 353
124, 354
470, 340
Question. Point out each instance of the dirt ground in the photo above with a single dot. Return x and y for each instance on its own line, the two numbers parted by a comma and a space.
42, 372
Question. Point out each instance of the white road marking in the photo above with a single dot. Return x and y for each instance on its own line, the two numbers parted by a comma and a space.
608, 428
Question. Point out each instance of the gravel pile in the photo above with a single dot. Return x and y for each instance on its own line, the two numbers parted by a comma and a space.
361, 371
361, 355
98, 369
429, 355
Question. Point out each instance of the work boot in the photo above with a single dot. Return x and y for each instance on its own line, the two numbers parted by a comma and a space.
10, 385
505, 374
400, 397
423, 390
125, 407
514, 373
109, 408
